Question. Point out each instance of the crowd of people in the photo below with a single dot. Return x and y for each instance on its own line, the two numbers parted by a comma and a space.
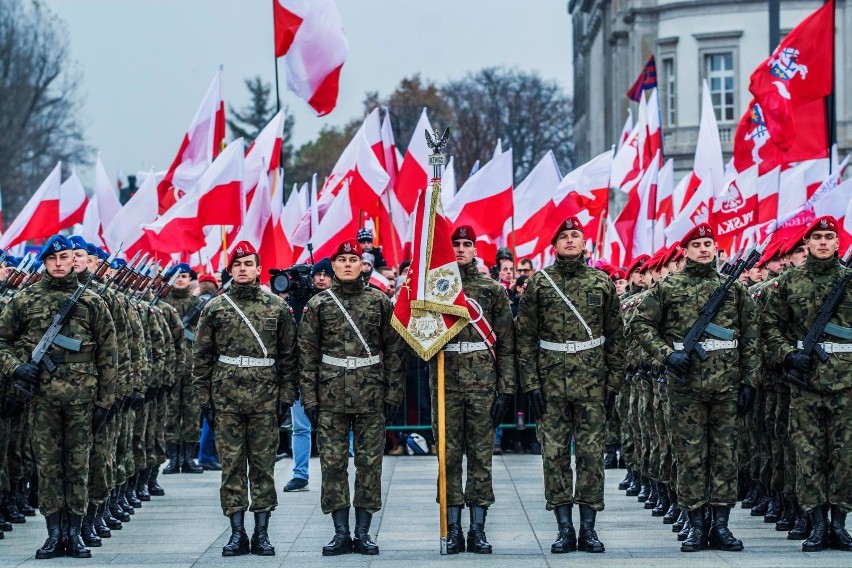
148, 372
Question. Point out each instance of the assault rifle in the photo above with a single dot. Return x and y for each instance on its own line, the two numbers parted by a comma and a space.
164, 290
810, 344
729, 263
704, 323
119, 274
191, 315
16, 275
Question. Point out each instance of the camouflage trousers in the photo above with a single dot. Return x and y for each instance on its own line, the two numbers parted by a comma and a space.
102, 462
470, 433
368, 431
647, 429
124, 446
155, 450
140, 422
821, 430
183, 418
4, 455
704, 432
635, 455
246, 444
614, 426
782, 431
766, 434
583, 421
20, 449
622, 407
663, 461
62, 442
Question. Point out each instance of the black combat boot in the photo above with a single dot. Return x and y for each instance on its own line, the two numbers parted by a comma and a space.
663, 501
142, 484
455, 536
838, 536
153, 485
588, 538
635, 484
53, 545
5, 525
476, 541
238, 544
610, 458
187, 464
87, 529
644, 490
260, 544
174, 461
818, 538
341, 542
10, 509
684, 530
625, 483
123, 501
682, 521
653, 497
130, 492
788, 514
22, 499
763, 503
109, 520
621, 463
694, 542
116, 508
673, 514
720, 535
566, 537
363, 543
773, 511
752, 497
801, 526
101, 528
75, 547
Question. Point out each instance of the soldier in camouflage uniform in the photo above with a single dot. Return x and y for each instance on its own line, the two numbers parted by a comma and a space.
70, 404
569, 343
821, 415
184, 414
703, 412
351, 378
177, 336
480, 382
244, 374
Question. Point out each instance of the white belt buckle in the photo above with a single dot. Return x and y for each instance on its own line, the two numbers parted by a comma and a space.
571, 347
351, 362
464, 347
243, 361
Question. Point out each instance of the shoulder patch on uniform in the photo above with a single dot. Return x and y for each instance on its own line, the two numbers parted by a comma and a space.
593, 299
270, 324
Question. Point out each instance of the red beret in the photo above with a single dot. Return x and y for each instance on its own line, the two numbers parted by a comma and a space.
463, 232
671, 254
243, 248
792, 243
617, 274
569, 224
349, 246
637, 263
656, 261
773, 250
825, 223
207, 278
702, 231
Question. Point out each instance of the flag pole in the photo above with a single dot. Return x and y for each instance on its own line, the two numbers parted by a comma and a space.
275, 60
830, 100
442, 454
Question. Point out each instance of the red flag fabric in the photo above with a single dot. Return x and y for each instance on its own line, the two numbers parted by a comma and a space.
489, 189
800, 70
413, 172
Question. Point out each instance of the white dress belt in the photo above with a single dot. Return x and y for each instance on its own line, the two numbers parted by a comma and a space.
466, 347
352, 362
243, 361
831, 347
572, 346
711, 344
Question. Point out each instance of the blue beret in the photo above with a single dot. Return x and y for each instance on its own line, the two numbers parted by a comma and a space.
13, 261
323, 265
78, 242
118, 263
101, 253
181, 267
92, 249
55, 244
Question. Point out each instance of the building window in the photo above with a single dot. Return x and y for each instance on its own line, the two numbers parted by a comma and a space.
669, 92
719, 71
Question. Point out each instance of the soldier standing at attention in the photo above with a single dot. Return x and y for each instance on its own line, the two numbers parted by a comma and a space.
245, 378
703, 412
821, 415
351, 378
71, 403
570, 344
480, 374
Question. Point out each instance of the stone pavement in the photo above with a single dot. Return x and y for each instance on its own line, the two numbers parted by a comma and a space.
186, 528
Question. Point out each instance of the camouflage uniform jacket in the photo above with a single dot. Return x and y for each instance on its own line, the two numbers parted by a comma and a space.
167, 376
637, 359
221, 331
543, 315
791, 310
156, 346
28, 315
183, 301
669, 310
122, 342
324, 330
478, 370
175, 327
136, 338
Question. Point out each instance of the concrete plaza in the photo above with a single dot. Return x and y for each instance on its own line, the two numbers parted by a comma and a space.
186, 528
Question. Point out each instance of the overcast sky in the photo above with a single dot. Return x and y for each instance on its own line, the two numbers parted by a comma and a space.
146, 64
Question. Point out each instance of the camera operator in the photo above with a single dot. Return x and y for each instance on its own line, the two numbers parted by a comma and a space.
320, 279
